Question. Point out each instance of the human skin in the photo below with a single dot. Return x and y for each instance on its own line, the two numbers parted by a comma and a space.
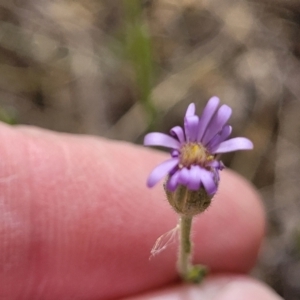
78, 222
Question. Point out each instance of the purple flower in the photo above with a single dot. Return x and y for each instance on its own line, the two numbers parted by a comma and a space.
194, 149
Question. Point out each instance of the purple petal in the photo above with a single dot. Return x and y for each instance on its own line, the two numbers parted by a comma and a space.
177, 131
222, 166
191, 128
207, 179
216, 175
238, 143
206, 116
217, 139
175, 153
216, 164
161, 171
225, 133
217, 123
172, 183
194, 178
190, 110
161, 139
184, 175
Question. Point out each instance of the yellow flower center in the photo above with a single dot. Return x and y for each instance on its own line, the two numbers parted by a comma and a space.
194, 154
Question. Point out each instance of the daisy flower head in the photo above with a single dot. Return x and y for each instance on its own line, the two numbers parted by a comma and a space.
194, 161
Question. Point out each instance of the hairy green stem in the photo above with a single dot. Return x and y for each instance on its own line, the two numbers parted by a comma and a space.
184, 259
188, 271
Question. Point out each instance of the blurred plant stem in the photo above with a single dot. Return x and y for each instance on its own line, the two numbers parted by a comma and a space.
138, 50
7, 117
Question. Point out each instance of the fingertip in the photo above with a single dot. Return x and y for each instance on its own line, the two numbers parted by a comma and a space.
247, 289
84, 202
221, 287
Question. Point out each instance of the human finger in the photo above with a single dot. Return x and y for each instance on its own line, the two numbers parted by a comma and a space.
222, 287
79, 220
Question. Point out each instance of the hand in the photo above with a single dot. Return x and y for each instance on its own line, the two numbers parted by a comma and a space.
77, 222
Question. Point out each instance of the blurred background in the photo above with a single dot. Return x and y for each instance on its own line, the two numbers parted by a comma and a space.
119, 68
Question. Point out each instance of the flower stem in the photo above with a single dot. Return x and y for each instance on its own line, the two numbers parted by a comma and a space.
188, 272
184, 259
